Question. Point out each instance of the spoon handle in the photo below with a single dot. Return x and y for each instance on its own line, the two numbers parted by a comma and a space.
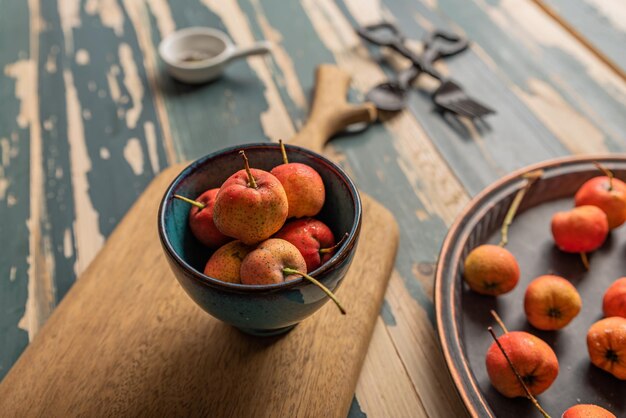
258, 48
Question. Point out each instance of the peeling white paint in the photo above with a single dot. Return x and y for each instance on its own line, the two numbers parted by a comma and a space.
51, 62
104, 153
58, 173
613, 10
143, 30
48, 124
86, 114
133, 84
12, 273
82, 57
573, 129
40, 300
530, 24
11, 200
88, 238
151, 141
68, 249
69, 12
282, 58
114, 87
5, 148
24, 72
161, 12
275, 120
134, 155
110, 12
4, 184
369, 11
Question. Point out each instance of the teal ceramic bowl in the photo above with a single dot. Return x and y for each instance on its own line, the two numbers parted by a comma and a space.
257, 309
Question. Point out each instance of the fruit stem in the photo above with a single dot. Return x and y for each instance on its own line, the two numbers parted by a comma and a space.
583, 257
531, 178
606, 172
519, 378
330, 294
283, 151
499, 321
334, 247
193, 202
251, 181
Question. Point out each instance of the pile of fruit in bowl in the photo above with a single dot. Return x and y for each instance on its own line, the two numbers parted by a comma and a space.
251, 230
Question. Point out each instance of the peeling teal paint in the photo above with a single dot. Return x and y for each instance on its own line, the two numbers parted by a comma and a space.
13, 216
207, 117
387, 314
355, 410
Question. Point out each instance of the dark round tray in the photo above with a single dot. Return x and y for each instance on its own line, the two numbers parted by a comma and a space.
463, 316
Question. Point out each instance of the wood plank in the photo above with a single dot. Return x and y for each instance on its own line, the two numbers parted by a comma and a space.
145, 348
391, 379
87, 119
16, 76
600, 23
577, 97
549, 104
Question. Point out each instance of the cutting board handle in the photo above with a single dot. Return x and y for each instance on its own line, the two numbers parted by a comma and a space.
330, 112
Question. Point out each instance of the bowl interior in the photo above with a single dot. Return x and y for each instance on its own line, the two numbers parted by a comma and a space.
340, 211
193, 47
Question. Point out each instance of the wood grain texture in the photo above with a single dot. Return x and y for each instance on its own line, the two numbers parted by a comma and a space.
552, 99
600, 22
127, 341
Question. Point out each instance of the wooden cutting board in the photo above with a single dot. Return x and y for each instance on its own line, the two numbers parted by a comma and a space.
127, 340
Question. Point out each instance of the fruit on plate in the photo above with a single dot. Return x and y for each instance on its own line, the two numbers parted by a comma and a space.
303, 185
275, 261
606, 193
225, 263
551, 302
251, 205
491, 270
201, 219
614, 301
580, 230
533, 359
587, 411
312, 238
606, 342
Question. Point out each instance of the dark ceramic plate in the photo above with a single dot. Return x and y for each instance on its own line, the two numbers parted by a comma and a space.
463, 316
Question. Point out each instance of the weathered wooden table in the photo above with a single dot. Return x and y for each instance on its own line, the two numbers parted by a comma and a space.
87, 119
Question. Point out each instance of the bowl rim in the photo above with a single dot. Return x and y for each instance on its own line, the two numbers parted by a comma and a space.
448, 332
209, 63
203, 279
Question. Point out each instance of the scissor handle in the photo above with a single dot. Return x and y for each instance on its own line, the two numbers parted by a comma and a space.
373, 34
440, 43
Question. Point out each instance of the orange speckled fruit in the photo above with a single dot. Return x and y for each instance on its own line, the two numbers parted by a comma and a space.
606, 342
614, 301
551, 302
225, 263
596, 192
532, 357
250, 214
587, 411
491, 270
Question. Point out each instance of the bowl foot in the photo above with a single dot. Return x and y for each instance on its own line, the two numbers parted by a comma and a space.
266, 332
